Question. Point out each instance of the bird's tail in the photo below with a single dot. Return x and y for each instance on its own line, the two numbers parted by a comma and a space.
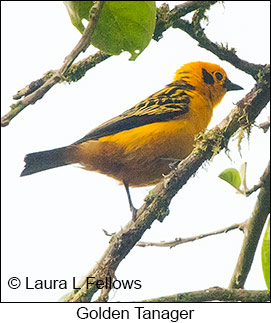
43, 160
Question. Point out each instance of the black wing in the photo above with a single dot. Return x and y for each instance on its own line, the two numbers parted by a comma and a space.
164, 105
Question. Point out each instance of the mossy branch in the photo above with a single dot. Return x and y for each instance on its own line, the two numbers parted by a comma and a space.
42, 87
194, 30
73, 72
216, 294
166, 18
156, 206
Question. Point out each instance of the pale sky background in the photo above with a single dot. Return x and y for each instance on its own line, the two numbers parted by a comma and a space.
52, 222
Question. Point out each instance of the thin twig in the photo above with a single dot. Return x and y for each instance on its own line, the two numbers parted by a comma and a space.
262, 181
83, 43
252, 232
178, 241
216, 294
222, 52
85, 40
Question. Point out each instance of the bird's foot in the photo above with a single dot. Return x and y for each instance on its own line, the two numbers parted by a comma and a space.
173, 162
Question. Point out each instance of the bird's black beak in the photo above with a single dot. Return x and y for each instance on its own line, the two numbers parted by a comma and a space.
231, 86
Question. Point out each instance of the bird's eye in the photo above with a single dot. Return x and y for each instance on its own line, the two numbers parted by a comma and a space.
218, 76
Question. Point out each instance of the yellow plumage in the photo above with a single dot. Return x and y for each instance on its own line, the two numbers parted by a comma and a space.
136, 147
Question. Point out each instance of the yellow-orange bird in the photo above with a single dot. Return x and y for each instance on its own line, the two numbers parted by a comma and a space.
135, 147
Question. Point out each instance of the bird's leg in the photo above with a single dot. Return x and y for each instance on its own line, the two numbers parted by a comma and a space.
173, 162
132, 208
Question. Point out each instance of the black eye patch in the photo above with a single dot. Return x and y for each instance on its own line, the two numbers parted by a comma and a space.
207, 77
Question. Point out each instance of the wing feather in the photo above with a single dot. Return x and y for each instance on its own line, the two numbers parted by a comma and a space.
167, 104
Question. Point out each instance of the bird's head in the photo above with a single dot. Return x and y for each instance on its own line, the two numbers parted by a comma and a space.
209, 80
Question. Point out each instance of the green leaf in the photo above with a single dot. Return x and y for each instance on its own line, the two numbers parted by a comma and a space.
122, 26
231, 176
266, 255
78, 10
